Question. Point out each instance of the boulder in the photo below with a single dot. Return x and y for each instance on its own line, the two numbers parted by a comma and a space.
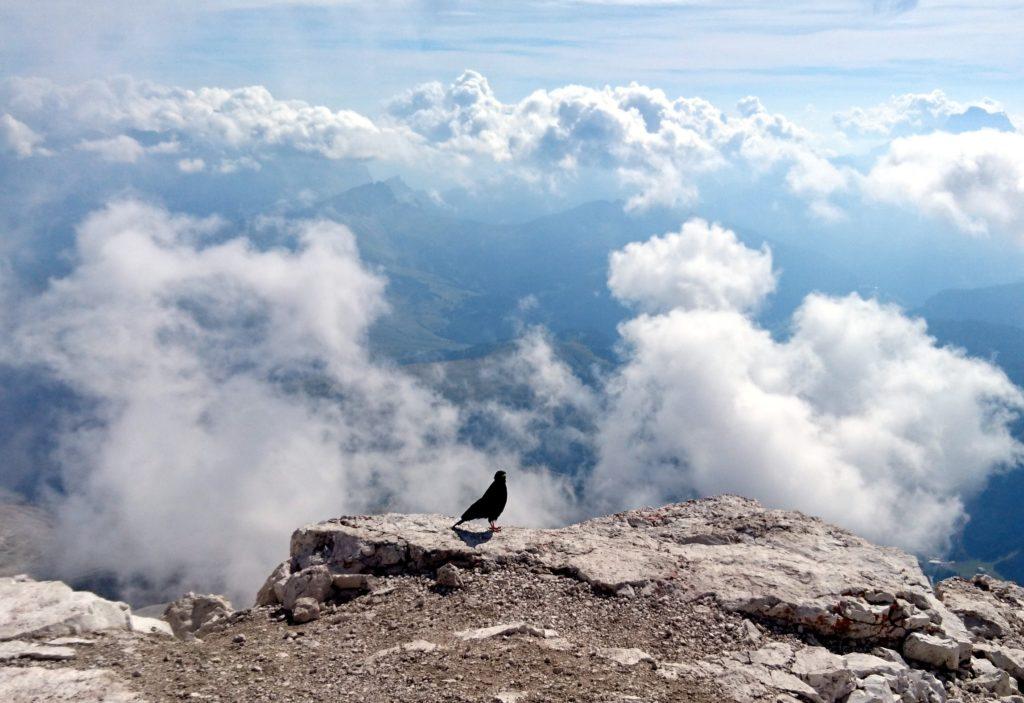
354, 582
52, 609
940, 652
988, 677
823, 671
1008, 659
195, 615
305, 610
314, 582
151, 626
268, 593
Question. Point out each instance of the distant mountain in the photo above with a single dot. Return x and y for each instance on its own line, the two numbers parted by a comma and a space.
458, 284
995, 534
999, 305
975, 118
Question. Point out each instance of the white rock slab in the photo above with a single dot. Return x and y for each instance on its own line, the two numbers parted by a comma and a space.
51, 609
34, 684
16, 649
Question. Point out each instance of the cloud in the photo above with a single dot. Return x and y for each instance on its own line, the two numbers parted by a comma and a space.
232, 398
18, 138
917, 113
244, 120
858, 416
974, 179
657, 146
119, 149
191, 165
700, 267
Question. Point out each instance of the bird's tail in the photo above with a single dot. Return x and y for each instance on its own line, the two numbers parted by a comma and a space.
457, 524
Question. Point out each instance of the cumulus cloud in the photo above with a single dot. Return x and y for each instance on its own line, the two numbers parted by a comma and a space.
700, 267
858, 416
974, 179
17, 137
657, 146
240, 119
232, 398
911, 113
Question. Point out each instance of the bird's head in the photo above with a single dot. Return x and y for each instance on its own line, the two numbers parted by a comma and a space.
499, 476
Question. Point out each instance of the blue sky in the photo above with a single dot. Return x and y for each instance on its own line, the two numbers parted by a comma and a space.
749, 201
806, 59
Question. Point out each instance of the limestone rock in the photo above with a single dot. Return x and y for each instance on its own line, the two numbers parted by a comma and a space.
989, 677
936, 651
414, 646
195, 615
1008, 659
268, 593
625, 656
305, 610
989, 608
151, 626
52, 609
314, 582
771, 564
505, 630
16, 649
823, 671
34, 684
354, 582
449, 576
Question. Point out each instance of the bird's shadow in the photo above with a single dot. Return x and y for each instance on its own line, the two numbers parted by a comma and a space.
472, 539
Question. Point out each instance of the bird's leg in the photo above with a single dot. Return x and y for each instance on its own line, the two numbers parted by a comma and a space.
494, 528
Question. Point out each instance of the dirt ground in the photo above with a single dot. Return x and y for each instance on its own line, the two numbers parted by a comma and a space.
341, 657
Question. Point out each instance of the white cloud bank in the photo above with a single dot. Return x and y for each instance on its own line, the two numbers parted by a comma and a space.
909, 113
974, 179
656, 147
857, 417
206, 445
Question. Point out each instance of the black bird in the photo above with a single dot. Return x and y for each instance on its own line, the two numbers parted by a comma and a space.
490, 504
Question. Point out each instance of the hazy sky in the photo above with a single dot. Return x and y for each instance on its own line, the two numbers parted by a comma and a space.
172, 258
804, 58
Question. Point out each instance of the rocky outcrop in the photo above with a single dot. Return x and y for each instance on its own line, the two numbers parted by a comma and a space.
53, 609
781, 568
195, 615
34, 684
778, 565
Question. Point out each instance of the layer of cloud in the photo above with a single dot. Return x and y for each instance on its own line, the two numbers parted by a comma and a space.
658, 146
974, 179
916, 113
236, 120
858, 416
232, 399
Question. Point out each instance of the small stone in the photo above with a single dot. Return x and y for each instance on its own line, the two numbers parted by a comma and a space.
305, 610
449, 576
238, 639
626, 656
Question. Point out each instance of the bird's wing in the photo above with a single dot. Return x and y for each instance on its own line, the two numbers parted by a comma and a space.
476, 510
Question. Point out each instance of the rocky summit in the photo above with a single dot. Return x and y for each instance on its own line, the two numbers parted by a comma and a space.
710, 600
